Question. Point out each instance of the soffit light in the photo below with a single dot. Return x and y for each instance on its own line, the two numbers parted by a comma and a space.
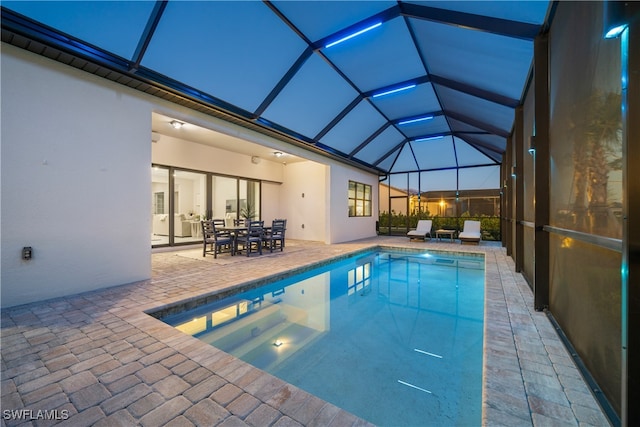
176, 124
350, 36
419, 119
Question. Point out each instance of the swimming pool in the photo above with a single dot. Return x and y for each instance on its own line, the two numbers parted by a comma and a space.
393, 337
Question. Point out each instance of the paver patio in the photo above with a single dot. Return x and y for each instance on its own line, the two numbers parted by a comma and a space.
98, 359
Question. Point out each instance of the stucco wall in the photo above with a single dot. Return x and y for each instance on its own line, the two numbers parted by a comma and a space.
303, 196
74, 185
177, 152
76, 181
341, 227
271, 207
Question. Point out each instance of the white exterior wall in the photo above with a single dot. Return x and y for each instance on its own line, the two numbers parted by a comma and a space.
341, 227
76, 180
271, 205
324, 209
303, 196
180, 153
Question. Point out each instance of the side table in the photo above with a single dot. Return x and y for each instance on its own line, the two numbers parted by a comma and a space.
442, 232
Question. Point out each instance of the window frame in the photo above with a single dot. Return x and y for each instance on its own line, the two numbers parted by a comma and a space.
359, 199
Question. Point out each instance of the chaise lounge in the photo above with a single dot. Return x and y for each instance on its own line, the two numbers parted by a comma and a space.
423, 229
470, 232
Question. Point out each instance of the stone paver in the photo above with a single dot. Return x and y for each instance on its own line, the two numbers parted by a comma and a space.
102, 360
206, 413
124, 399
89, 396
264, 415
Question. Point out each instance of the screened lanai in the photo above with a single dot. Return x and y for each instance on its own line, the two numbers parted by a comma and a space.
392, 87
435, 97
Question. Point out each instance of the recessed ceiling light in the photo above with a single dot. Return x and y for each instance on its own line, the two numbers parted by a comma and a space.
278, 153
176, 124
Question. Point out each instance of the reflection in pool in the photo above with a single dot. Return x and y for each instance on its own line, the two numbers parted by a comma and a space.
393, 337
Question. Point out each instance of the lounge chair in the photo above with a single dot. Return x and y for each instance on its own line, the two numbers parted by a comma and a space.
470, 232
423, 229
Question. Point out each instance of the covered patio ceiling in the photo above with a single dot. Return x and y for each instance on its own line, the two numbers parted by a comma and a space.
390, 86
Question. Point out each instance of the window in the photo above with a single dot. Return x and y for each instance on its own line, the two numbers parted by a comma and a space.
158, 203
359, 279
359, 199
181, 198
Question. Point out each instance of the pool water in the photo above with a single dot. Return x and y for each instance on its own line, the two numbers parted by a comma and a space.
395, 338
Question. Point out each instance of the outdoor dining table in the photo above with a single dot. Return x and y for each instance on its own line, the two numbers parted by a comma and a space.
236, 229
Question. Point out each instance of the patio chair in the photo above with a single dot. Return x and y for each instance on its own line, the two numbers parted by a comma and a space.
470, 232
219, 240
274, 238
422, 230
252, 239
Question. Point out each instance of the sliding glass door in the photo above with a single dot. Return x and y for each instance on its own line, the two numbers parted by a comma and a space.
159, 205
224, 196
249, 192
189, 205
182, 198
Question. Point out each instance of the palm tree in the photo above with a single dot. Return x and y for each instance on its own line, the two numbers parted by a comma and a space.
605, 140
248, 212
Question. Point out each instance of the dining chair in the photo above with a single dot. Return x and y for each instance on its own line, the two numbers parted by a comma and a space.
218, 240
274, 238
251, 241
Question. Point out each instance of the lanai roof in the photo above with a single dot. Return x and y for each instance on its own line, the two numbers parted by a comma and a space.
391, 86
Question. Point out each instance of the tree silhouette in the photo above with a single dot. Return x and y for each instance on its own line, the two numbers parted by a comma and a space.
596, 152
